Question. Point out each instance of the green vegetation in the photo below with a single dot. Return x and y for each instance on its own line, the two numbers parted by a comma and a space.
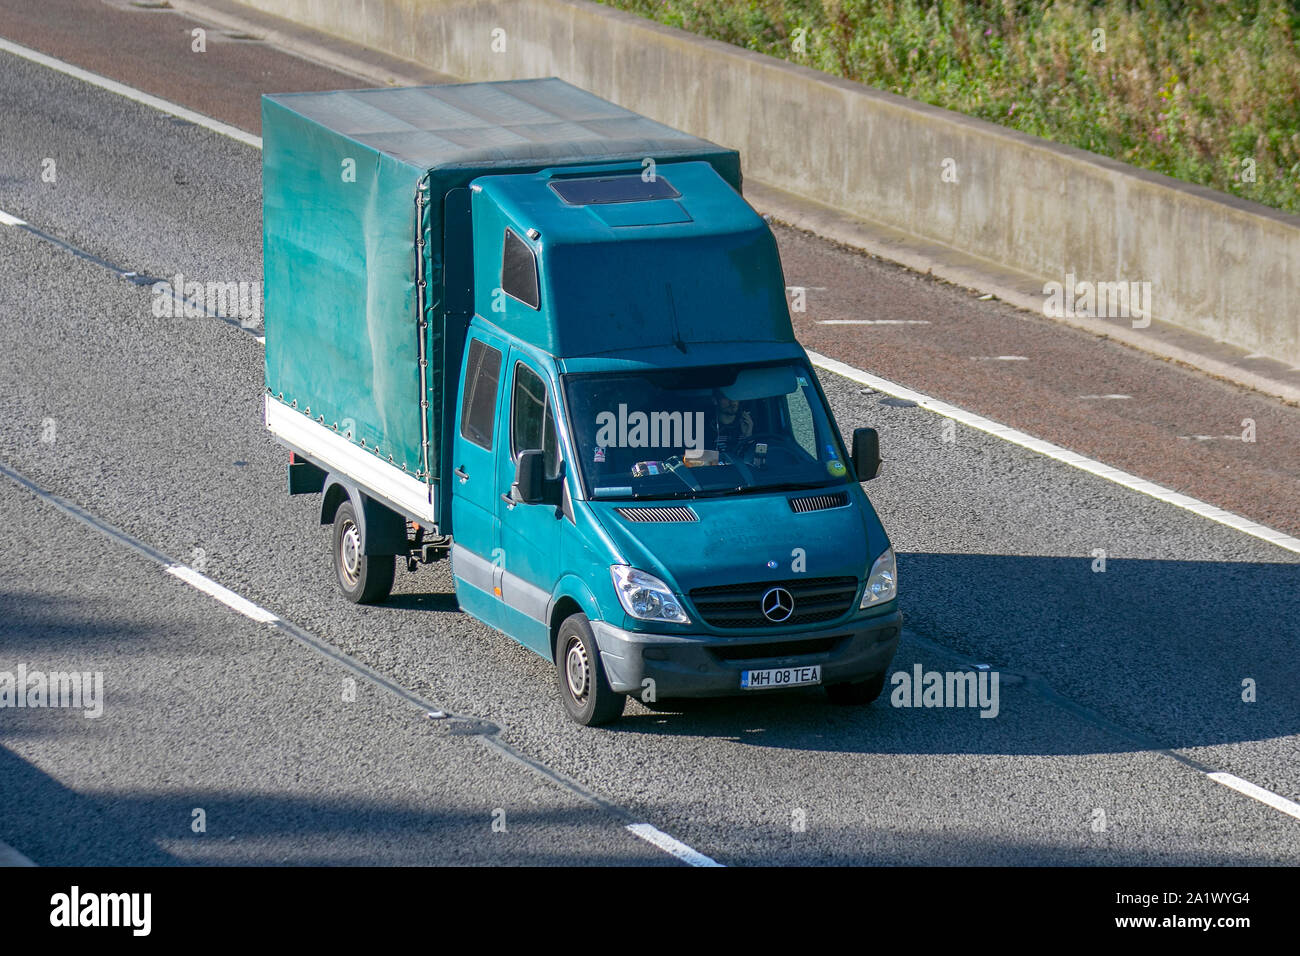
1207, 92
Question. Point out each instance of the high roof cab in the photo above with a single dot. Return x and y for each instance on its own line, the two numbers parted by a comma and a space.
625, 264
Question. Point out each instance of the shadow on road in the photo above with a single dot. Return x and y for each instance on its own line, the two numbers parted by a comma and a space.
1166, 649
56, 826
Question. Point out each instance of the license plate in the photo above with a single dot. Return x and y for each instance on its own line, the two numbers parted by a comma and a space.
780, 677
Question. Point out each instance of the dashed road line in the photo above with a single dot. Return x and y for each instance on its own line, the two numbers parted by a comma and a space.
223, 594
1289, 807
1135, 739
1012, 435
486, 732
131, 276
669, 845
644, 830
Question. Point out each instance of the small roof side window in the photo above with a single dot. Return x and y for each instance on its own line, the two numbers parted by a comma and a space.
519, 270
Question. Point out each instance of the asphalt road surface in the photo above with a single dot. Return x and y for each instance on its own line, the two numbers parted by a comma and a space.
1121, 690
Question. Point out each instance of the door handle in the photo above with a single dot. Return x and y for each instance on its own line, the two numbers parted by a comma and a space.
508, 499
460, 473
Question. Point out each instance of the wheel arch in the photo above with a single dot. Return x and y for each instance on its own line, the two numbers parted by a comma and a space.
335, 494
383, 531
571, 596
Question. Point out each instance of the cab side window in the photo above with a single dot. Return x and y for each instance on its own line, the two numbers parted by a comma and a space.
531, 423
478, 409
519, 270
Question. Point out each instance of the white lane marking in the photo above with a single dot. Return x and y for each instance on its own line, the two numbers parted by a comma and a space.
646, 831
11, 857
222, 594
328, 651
942, 408
131, 93
873, 321
666, 843
8, 220
949, 411
1105, 396
1064, 455
999, 358
1289, 807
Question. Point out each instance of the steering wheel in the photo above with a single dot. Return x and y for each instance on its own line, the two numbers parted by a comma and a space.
778, 443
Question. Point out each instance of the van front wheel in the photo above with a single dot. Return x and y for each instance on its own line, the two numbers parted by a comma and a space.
859, 692
586, 693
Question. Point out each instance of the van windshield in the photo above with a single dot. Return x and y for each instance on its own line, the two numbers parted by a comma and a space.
697, 432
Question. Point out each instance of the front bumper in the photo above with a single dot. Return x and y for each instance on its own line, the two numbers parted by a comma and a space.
705, 665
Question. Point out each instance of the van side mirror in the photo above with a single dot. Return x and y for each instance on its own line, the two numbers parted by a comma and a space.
866, 453
532, 487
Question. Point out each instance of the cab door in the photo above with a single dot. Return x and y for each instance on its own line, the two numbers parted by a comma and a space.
475, 559
530, 535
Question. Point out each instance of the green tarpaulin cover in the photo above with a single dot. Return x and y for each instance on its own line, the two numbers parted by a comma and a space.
341, 171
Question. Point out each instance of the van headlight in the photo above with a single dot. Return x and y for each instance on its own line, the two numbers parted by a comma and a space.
645, 597
882, 581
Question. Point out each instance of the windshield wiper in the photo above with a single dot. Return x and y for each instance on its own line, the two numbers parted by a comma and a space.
791, 486
690, 493
651, 496
719, 492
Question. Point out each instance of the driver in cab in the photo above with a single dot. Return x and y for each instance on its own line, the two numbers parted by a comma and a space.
734, 424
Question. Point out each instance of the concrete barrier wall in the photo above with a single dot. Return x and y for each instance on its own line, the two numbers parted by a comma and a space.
1217, 265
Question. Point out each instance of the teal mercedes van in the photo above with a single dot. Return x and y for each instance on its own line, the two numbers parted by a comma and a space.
619, 443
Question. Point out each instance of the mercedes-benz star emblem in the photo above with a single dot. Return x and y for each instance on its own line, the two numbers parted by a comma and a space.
777, 604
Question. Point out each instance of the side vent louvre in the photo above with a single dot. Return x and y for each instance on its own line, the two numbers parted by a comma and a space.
819, 502
658, 514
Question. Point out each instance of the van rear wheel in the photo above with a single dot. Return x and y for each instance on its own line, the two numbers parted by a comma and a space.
363, 578
584, 689
858, 692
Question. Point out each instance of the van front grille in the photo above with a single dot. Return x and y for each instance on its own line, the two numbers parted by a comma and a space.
741, 605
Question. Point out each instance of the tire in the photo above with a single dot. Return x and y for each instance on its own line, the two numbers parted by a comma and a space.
363, 578
584, 690
857, 693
